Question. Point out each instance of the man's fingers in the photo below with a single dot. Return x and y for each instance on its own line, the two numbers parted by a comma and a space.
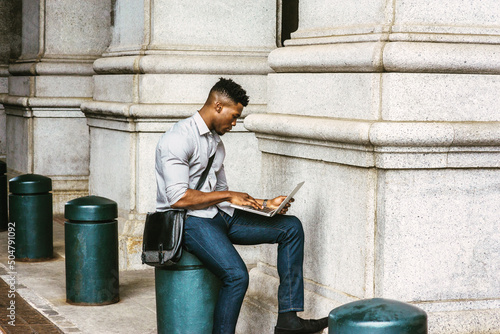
253, 202
256, 204
286, 207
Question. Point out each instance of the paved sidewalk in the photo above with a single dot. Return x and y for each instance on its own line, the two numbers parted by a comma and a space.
43, 286
20, 317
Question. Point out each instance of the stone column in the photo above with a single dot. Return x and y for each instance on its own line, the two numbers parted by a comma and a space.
389, 111
163, 59
10, 47
47, 133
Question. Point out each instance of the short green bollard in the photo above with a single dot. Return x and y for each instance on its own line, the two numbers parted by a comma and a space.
91, 250
377, 316
186, 294
4, 218
30, 213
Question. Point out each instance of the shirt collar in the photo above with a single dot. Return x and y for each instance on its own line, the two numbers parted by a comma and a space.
203, 128
200, 123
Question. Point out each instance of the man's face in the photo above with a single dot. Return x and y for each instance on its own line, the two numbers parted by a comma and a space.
227, 114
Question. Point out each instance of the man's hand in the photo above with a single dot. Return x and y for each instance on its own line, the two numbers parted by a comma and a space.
243, 199
276, 202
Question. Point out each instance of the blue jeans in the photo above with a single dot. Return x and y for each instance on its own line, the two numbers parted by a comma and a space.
212, 239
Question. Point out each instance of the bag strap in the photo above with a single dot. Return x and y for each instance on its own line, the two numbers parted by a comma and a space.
203, 176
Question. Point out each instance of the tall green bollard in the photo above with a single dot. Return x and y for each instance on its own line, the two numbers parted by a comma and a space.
30, 213
186, 294
377, 316
91, 248
3, 197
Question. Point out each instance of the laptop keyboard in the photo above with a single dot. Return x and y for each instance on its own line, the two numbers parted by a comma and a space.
265, 209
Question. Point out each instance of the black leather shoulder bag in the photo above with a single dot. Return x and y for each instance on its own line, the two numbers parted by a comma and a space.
163, 232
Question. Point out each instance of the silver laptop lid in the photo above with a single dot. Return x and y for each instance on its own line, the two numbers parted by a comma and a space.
289, 197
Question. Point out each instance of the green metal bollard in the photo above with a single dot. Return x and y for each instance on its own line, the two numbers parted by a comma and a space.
30, 213
91, 247
186, 294
3, 197
377, 316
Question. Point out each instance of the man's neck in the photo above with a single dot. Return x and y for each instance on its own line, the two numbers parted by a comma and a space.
205, 115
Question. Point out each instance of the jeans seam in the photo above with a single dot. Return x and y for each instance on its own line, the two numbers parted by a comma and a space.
201, 246
296, 309
289, 278
224, 218
270, 227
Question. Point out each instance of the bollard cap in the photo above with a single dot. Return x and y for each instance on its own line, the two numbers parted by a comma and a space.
30, 184
91, 209
3, 167
377, 316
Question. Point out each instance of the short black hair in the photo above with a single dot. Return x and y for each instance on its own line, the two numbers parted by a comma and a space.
232, 90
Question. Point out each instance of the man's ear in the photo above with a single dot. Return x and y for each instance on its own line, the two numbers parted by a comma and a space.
218, 106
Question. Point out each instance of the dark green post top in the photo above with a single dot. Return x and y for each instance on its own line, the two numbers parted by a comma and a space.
378, 315
91, 208
30, 184
3, 167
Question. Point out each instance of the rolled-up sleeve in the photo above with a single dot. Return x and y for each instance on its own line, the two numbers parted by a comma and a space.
172, 165
221, 180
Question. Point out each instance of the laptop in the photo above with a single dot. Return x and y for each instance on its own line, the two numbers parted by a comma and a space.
268, 211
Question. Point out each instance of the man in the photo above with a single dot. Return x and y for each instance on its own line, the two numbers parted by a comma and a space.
212, 226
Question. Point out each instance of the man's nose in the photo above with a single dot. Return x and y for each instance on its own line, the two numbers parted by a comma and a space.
233, 123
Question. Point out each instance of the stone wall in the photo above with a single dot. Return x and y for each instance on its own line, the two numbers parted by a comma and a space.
10, 48
388, 111
46, 130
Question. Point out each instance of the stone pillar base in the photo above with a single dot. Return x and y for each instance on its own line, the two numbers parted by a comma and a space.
130, 243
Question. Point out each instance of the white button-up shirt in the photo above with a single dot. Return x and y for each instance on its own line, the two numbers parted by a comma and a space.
182, 155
